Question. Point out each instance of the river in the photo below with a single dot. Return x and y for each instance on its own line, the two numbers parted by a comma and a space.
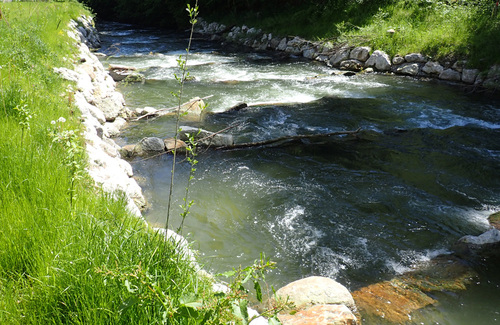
423, 172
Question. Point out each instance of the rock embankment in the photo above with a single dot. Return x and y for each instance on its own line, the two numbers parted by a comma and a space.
350, 58
102, 111
103, 114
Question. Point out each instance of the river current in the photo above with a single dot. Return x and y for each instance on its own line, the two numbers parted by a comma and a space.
423, 171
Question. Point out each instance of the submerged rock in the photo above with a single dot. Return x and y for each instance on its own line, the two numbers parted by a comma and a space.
120, 72
149, 145
397, 301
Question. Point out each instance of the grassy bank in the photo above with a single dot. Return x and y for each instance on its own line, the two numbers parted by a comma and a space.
442, 29
68, 252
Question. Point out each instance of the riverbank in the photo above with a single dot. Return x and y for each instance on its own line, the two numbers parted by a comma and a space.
351, 59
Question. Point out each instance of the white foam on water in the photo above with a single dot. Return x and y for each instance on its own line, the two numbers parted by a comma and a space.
409, 259
296, 236
329, 263
438, 118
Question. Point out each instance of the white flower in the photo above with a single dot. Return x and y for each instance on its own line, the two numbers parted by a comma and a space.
52, 122
61, 119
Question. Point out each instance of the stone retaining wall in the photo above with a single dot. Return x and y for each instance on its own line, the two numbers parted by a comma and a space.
351, 58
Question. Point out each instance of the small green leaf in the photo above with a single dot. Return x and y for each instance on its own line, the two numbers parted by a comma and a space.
240, 310
258, 290
188, 312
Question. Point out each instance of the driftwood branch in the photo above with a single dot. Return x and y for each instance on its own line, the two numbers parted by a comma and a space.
286, 139
165, 111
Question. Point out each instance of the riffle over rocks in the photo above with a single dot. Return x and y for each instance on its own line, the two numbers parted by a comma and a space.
345, 57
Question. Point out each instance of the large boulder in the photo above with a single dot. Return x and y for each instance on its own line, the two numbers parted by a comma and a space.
492, 236
341, 55
450, 75
317, 300
469, 75
149, 145
282, 44
415, 58
351, 65
317, 290
379, 60
433, 68
112, 105
410, 69
360, 53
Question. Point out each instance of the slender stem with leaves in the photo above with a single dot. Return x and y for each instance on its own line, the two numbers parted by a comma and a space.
182, 62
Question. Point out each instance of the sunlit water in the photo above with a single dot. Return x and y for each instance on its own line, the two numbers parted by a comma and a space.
423, 172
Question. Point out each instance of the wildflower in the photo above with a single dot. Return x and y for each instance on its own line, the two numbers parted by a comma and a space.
53, 122
61, 120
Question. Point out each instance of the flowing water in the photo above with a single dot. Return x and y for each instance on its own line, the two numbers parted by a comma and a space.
423, 172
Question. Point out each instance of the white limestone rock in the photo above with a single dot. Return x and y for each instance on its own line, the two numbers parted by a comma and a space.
379, 60
317, 290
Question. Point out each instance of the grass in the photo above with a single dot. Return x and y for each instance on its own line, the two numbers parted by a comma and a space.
68, 252
444, 30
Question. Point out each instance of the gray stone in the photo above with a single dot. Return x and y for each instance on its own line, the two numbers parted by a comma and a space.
317, 291
415, 58
274, 42
494, 72
351, 65
112, 106
432, 67
341, 55
282, 45
360, 53
459, 65
149, 145
410, 69
113, 129
379, 60
450, 75
469, 75
490, 237
322, 58
309, 53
